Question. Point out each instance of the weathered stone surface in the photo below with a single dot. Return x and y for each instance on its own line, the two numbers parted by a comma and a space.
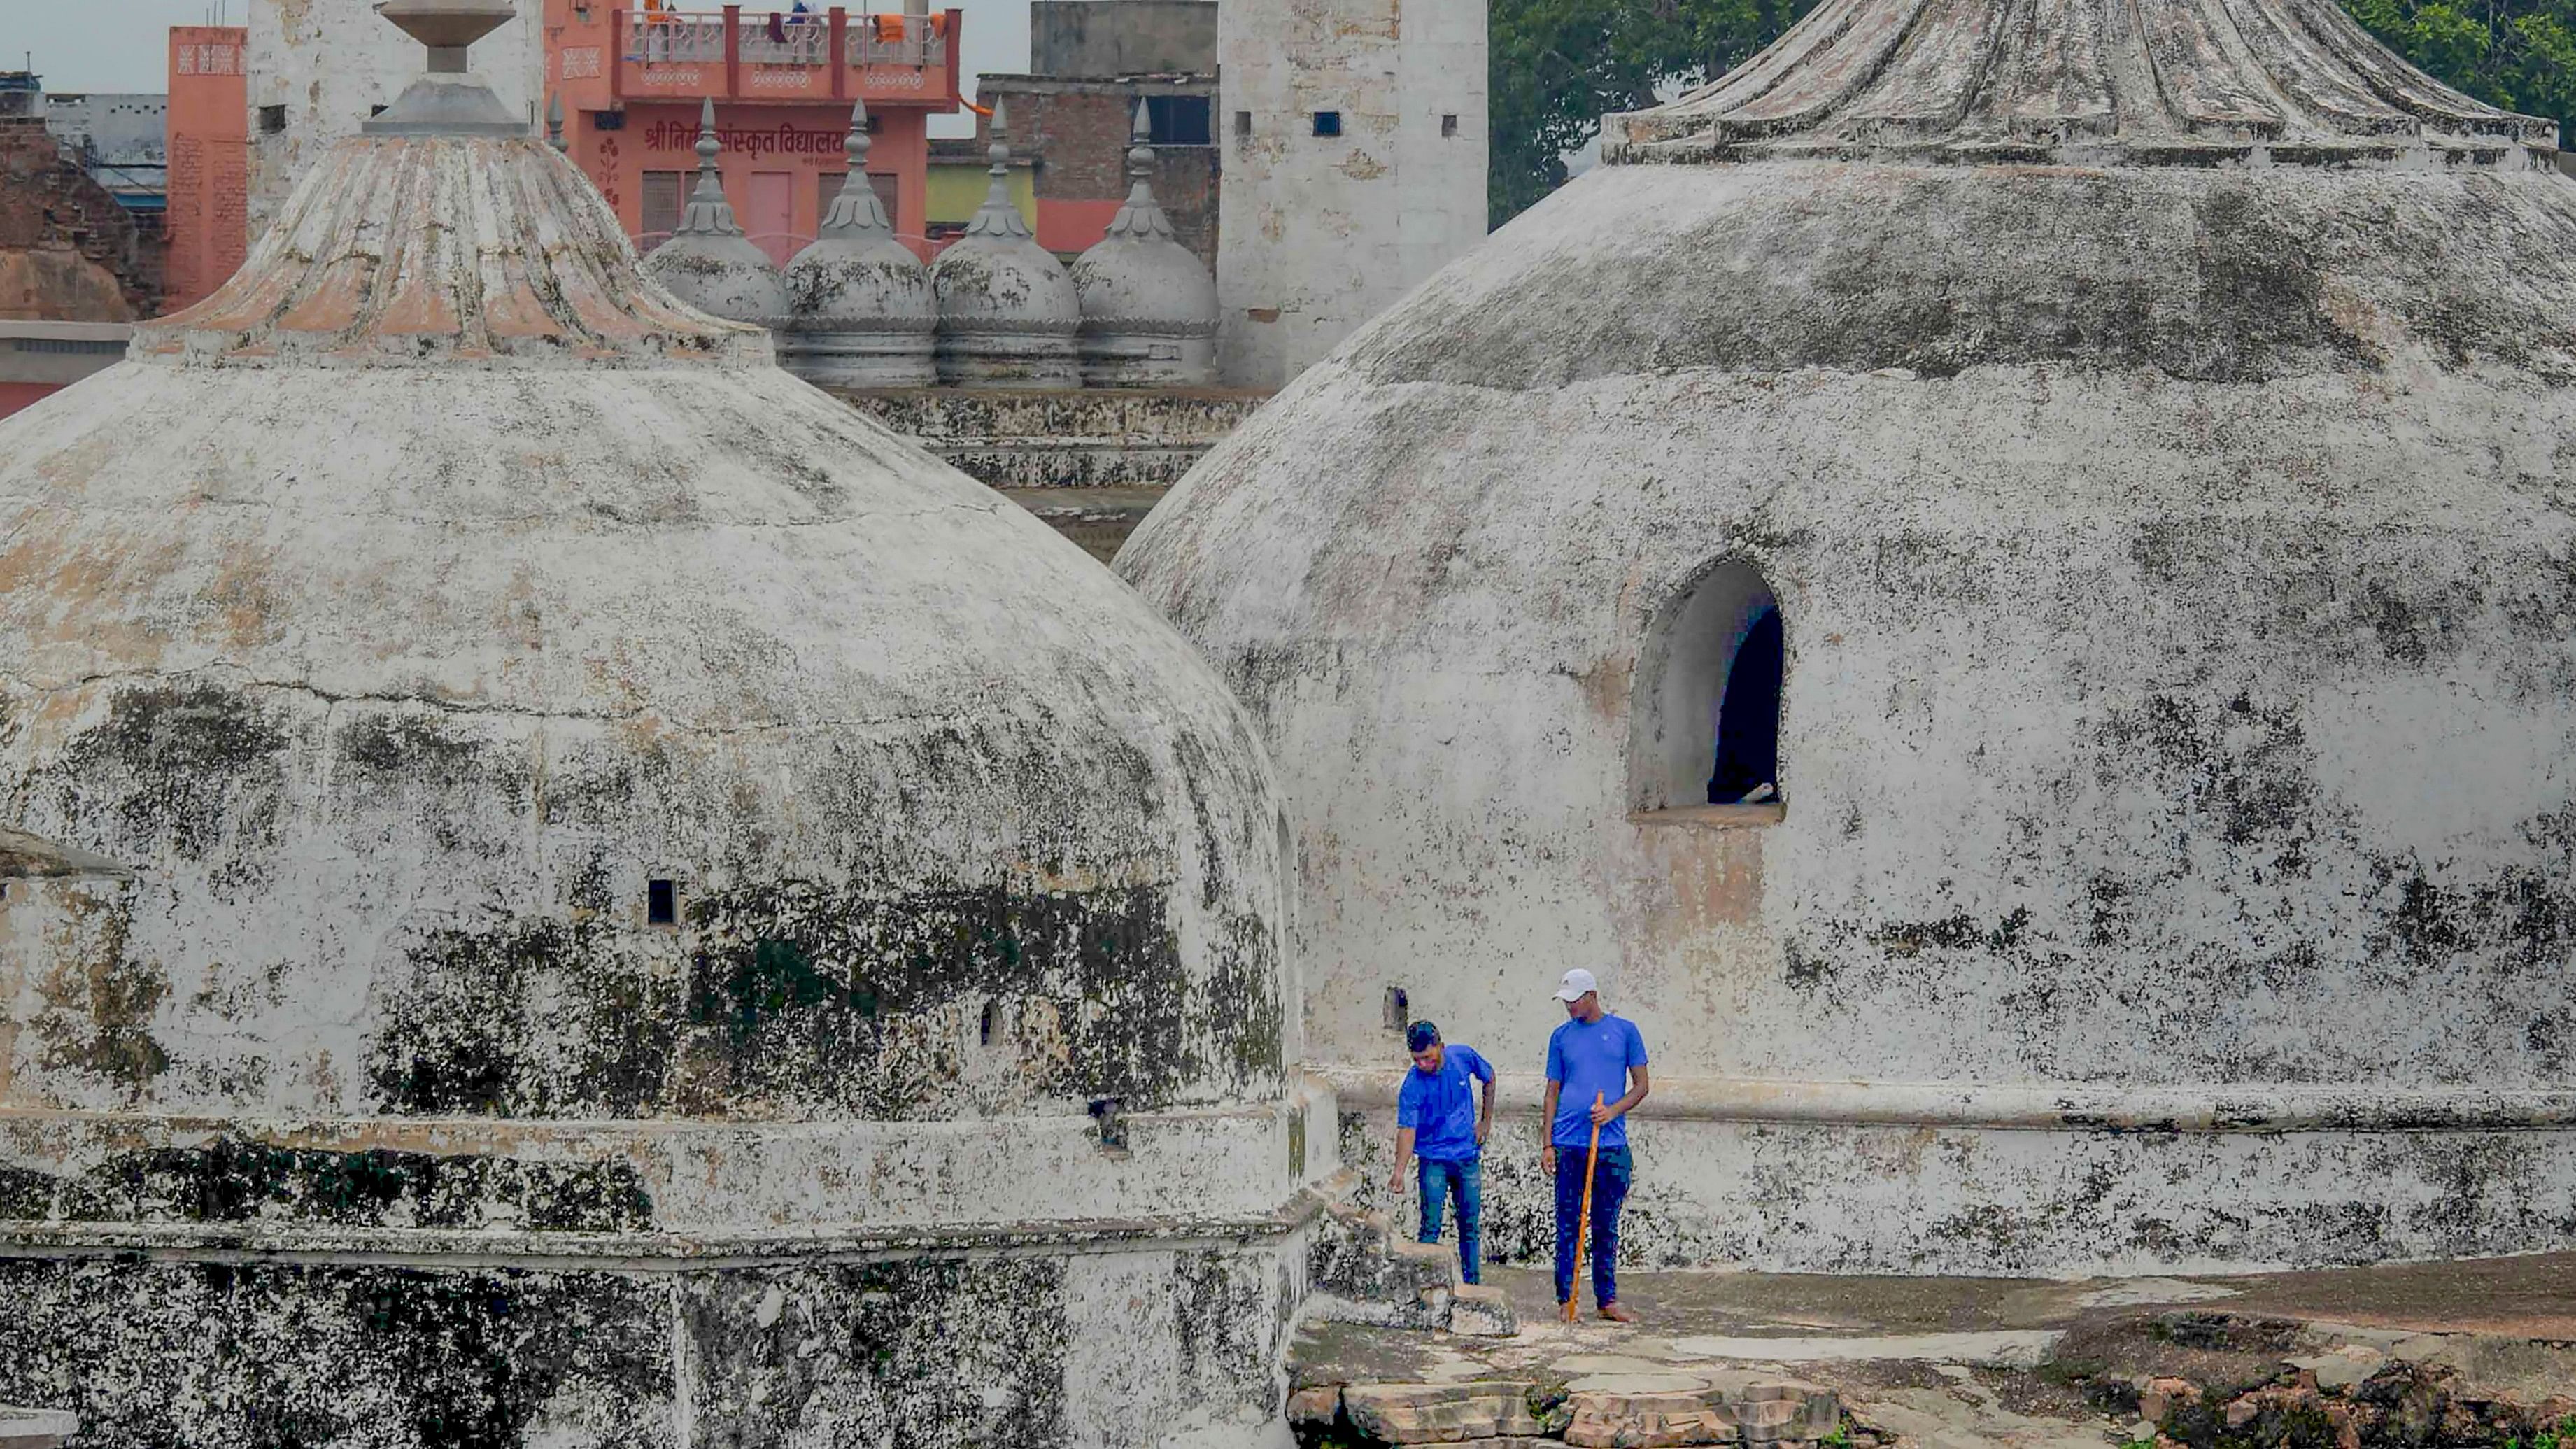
1614, 1420
35, 1428
1439, 1413
1360, 1270
1315, 1407
2057, 703
1482, 1312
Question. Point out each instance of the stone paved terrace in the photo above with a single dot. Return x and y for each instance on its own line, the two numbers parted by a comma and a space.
2479, 1353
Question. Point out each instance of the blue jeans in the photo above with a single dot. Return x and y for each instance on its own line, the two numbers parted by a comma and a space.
1438, 1181
1609, 1190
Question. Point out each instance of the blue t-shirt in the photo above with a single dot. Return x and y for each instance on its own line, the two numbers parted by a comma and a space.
1589, 1058
1440, 1106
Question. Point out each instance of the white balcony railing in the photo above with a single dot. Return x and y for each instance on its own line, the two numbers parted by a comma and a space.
680, 39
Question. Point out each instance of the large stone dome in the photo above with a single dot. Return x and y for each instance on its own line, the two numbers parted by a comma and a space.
569, 864
2148, 450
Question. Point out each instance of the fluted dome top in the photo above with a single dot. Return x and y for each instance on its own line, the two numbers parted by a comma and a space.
856, 276
1139, 277
444, 249
2177, 82
996, 278
708, 262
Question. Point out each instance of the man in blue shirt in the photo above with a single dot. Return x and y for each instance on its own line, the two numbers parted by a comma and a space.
1437, 1117
1596, 1072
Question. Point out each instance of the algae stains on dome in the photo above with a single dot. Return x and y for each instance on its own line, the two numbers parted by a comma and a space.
1149, 308
708, 263
2164, 501
864, 313
1007, 309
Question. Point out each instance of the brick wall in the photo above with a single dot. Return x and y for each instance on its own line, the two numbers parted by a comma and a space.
1078, 135
72, 252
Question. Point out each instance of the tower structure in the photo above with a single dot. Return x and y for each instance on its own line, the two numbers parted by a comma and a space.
1148, 306
1355, 163
316, 70
2003, 575
565, 887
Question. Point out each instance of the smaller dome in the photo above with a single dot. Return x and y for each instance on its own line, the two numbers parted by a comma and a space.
1149, 306
1007, 309
708, 262
861, 309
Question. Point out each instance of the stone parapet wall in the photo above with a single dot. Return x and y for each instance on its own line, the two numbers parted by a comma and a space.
1884, 1197
1087, 438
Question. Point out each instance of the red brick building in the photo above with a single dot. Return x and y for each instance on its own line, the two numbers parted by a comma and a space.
209, 215
1091, 62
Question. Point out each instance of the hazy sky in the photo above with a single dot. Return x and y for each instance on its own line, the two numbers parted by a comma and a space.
122, 45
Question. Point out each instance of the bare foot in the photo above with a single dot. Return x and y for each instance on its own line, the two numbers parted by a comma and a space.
1617, 1314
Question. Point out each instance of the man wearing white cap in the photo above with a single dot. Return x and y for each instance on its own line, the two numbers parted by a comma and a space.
1594, 1058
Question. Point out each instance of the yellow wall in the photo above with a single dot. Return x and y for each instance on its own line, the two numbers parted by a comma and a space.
957, 190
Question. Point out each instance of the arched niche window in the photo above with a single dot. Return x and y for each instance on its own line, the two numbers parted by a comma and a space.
1704, 724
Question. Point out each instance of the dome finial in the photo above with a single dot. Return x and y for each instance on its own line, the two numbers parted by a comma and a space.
999, 215
856, 214
708, 213
1142, 216
448, 99
555, 125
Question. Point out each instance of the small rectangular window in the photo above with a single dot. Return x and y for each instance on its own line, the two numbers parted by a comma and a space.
1177, 120
1449, 125
661, 903
1328, 123
1243, 123
272, 119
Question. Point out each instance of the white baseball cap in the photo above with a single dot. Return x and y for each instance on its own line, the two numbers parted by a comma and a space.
1576, 982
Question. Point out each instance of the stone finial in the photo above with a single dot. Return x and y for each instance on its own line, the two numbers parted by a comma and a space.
708, 213
555, 124
999, 215
1142, 216
448, 27
447, 99
856, 214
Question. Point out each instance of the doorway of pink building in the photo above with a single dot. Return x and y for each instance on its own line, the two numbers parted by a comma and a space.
771, 217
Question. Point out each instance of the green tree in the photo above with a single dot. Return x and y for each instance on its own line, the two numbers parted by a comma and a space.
2518, 54
1559, 66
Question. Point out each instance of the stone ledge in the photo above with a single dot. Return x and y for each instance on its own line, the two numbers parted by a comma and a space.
35, 1428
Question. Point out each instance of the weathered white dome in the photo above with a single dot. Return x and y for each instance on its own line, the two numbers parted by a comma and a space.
557, 832
863, 313
1149, 308
708, 262
2151, 449
1007, 310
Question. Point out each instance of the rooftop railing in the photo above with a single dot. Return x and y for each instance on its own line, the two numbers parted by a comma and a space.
673, 37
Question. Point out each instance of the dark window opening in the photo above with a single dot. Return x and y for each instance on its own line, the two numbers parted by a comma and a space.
661, 903
1177, 120
1449, 125
1748, 718
1328, 123
1399, 1012
989, 1014
616, 121
1243, 123
272, 119
375, 111
1704, 718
